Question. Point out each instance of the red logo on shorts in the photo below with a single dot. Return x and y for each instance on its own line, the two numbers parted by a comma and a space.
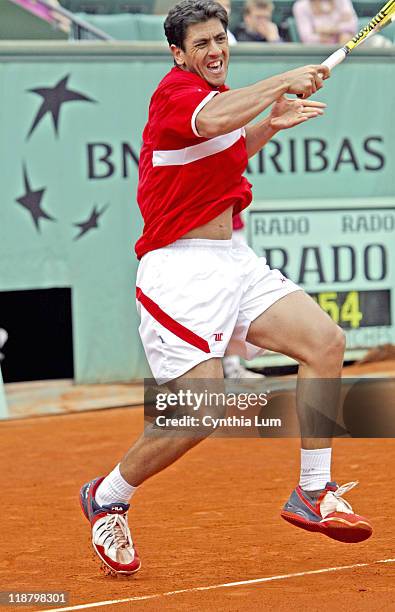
218, 337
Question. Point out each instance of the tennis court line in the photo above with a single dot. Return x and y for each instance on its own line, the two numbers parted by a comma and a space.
216, 586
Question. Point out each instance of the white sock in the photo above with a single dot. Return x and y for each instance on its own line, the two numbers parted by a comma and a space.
114, 488
315, 468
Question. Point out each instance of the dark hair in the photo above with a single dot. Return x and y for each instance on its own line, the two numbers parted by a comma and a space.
189, 12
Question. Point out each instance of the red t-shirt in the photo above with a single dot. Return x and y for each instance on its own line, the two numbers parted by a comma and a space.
186, 181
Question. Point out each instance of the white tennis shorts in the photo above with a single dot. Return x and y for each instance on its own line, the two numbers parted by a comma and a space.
195, 297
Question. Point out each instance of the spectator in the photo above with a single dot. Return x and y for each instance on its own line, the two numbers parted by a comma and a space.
228, 8
257, 25
325, 21
45, 12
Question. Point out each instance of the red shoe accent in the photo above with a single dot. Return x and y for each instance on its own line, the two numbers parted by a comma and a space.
346, 527
118, 568
314, 508
339, 526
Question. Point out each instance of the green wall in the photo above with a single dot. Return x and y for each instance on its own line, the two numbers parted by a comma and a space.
88, 165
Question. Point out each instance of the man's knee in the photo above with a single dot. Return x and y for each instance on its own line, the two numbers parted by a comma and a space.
336, 343
327, 346
340, 339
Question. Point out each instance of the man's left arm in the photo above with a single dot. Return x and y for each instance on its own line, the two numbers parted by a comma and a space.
285, 113
258, 134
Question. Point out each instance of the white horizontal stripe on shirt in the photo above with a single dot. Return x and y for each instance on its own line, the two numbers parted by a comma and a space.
180, 157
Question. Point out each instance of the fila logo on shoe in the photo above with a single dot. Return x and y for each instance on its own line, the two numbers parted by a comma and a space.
218, 337
117, 509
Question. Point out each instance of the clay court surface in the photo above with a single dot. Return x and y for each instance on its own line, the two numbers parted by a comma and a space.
209, 520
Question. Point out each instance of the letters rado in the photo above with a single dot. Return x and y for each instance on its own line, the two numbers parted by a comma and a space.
333, 264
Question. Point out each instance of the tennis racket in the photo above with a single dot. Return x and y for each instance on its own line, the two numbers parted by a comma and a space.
383, 18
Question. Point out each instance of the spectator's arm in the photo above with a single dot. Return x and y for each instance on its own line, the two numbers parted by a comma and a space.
304, 24
348, 20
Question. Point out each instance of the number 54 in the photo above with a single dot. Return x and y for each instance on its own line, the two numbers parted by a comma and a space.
348, 312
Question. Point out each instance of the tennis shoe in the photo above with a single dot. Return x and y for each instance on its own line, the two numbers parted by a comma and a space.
329, 514
233, 369
111, 538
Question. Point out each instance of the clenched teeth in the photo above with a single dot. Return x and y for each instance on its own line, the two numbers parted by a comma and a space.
215, 66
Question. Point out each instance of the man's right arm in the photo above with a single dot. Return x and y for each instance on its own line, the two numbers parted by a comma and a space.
234, 109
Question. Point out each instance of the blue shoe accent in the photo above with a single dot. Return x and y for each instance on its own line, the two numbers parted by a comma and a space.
89, 505
296, 506
302, 504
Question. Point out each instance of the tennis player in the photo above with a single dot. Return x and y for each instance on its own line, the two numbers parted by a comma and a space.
197, 294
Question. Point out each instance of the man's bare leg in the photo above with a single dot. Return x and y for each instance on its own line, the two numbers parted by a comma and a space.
104, 502
149, 455
296, 326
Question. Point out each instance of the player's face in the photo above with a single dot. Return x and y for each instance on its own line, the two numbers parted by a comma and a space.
206, 51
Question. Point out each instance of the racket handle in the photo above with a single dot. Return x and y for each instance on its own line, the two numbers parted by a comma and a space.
333, 60
336, 58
